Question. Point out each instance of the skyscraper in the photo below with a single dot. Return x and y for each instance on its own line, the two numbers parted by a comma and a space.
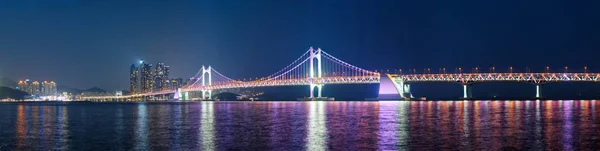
24, 86
133, 78
165, 77
173, 84
146, 78
49, 88
35, 88
159, 72
53, 88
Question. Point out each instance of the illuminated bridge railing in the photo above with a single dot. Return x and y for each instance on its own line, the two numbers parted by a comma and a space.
131, 96
287, 82
499, 77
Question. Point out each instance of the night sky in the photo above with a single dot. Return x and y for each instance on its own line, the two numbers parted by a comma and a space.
86, 43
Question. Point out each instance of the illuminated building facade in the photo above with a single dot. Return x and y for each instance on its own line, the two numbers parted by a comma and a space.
160, 76
38, 89
165, 77
24, 86
35, 88
149, 78
173, 84
133, 78
146, 78
49, 88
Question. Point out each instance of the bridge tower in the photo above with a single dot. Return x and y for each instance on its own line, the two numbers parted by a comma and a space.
315, 55
206, 71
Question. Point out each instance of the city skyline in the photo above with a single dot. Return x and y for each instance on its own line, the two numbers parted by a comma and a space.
144, 78
35, 88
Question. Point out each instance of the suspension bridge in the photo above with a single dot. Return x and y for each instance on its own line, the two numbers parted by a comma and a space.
316, 68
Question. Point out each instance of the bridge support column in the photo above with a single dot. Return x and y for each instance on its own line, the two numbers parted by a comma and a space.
319, 90
209, 94
538, 91
204, 92
467, 91
406, 90
186, 96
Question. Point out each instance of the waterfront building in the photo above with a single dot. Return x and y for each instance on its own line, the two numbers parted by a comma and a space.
24, 86
49, 88
133, 78
165, 77
35, 88
146, 78
175, 83
159, 76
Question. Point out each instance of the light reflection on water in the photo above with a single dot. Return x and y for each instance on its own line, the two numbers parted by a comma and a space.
207, 132
317, 131
400, 125
141, 129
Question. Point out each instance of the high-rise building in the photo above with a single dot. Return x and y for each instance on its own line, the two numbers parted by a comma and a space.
35, 88
146, 78
165, 77
24, 86
49, 88
173, 84
133, 78
159, 72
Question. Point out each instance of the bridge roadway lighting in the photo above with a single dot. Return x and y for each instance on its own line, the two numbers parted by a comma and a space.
584, 69
547, 69
566, 69
510, 69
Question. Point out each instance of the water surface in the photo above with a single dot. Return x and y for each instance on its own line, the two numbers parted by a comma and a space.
423, 125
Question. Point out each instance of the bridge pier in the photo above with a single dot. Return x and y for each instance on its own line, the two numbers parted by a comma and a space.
406, 90
538, 91
467, 91
204, 92
319, 90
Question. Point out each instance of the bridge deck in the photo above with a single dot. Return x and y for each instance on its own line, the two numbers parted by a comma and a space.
492, 77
